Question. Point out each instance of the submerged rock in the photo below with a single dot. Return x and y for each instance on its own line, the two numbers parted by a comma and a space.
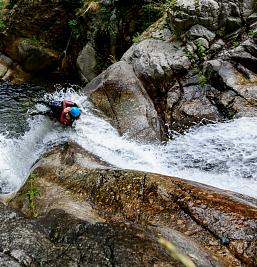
213, 227
11, 71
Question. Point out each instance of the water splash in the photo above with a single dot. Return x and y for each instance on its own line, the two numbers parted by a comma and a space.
222, 155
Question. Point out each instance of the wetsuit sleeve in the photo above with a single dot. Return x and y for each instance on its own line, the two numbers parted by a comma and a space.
64, 121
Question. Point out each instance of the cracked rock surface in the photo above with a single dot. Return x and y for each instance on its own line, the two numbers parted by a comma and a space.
213, 227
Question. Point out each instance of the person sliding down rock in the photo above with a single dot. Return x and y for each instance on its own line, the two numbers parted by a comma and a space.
66, 112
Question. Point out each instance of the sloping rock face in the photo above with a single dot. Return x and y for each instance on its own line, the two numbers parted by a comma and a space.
213, 227
120, 95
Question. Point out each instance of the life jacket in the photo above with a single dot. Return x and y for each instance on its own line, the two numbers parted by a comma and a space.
67, 104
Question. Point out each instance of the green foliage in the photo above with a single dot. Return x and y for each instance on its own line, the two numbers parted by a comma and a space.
252, 33
190, 54
153, 12
108, 24
2, 25
73, 22
75, 29
136, 38
236, 43
201, 51
202, 79
161, 6
196, 58
32, 193
199, 55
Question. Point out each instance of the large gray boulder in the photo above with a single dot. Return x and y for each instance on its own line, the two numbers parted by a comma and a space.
213, 227
86, 63
191, 105
11, 71
157, 63
32, 56
120, 95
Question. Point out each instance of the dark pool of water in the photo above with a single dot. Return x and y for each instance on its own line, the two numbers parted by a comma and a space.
16, 101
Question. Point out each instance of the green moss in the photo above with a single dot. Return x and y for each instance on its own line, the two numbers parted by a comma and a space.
2, 25
236, 43
32, 193
108, 24
2, 22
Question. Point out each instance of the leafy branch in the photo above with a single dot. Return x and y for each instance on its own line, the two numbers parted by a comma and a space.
74, 25
196, 58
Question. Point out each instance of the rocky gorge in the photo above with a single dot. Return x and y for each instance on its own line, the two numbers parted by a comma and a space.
152, 69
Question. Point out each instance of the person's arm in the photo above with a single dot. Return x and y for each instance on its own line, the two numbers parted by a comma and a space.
63, 118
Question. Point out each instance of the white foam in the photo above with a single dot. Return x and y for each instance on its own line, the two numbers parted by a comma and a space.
222, 155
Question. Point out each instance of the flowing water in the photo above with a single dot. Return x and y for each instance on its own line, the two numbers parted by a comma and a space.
222, 155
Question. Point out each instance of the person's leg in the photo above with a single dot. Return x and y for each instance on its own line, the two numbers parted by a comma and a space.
56, 109
44, 113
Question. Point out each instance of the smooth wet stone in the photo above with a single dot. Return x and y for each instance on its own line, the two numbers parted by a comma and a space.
213, 221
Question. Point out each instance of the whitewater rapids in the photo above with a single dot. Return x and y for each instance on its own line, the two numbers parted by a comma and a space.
223, 155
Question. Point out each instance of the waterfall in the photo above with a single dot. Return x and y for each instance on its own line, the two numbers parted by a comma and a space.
223, 155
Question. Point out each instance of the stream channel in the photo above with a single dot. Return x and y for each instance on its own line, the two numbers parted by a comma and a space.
223, 155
